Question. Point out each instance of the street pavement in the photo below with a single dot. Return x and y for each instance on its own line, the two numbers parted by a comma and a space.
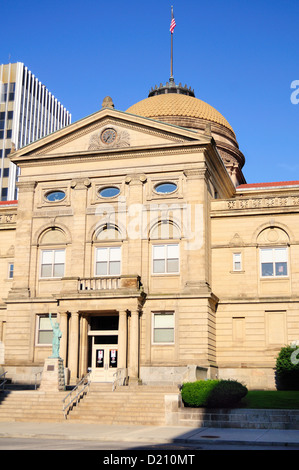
149, 434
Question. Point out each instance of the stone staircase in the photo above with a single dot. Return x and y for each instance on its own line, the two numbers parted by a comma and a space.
144, 405
31, 405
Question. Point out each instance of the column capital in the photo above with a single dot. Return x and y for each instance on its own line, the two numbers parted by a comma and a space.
135, 312
123, 312
74, 314
26, 186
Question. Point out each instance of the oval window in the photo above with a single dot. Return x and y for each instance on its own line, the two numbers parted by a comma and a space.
165, 188
54, 196
109, 192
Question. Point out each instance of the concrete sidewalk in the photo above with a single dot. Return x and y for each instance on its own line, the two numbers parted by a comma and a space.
149, 434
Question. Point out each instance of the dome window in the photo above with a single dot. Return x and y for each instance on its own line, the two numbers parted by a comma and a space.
55, 196
110, 191
165, 188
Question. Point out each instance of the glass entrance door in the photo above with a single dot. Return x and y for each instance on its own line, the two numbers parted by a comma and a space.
104, 361
103, 333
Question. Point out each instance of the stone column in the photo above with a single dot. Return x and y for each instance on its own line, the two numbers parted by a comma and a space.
79, 203
135, 222
63, 341
134, 346
122, 339
83, 346
74, 346
24, 221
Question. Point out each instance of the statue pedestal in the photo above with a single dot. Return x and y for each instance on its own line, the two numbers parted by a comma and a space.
53, 375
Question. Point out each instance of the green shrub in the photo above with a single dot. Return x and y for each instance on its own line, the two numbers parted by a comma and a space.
196, 393
213, 393
227, 393
287, 371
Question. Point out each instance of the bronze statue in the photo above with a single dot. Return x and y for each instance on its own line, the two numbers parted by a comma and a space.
57, 334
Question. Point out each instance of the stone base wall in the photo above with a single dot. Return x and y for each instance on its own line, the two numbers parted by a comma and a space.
175, 375
23, 374
178, 415
238, 418
252, 378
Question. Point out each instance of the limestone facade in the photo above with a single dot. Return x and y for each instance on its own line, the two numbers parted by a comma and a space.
150, 283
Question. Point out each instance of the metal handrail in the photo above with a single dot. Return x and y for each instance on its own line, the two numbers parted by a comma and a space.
3, 381
118, 377
35, 381
84, 384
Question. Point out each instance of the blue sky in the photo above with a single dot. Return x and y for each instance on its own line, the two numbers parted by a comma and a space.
239, 56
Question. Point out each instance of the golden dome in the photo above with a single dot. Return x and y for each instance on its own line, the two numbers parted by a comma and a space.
175, 104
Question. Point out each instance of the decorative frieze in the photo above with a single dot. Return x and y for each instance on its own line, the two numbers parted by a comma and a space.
265, 202
8, 219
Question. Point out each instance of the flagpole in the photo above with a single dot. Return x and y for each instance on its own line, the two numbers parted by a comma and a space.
171, 52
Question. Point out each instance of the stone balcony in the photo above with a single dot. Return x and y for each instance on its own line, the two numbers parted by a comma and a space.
98, 285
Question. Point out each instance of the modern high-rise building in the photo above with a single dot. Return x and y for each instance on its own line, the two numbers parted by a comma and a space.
28, 111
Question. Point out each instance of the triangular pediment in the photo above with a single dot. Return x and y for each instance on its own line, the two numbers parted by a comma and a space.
106, 130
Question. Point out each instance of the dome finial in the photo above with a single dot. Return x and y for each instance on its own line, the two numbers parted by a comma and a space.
107, 102
171, 87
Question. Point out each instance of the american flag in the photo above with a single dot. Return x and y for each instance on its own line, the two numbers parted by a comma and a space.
172, 25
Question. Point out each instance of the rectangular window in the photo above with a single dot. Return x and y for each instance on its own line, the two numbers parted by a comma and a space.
274, 262
44, 329
10, 270
163, 327
237, 261
4, 193
165, 259
52, 263
108, 261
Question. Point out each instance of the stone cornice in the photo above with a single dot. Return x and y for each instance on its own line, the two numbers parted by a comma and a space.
102, 118
115, 154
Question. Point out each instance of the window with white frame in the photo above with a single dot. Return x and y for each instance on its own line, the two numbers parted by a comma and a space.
237, 262
52, 263
108, 261
274, 262
163, 327
166, 259
44, 329
10, 270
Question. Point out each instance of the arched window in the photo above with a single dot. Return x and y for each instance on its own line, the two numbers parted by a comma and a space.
52, 253
165, 230
165, 236
108, 254
273, 252
108, 232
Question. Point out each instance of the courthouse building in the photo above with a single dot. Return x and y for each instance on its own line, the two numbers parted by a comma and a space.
137, 230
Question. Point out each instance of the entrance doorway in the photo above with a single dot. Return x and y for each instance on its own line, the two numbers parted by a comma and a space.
104, 362
103, 335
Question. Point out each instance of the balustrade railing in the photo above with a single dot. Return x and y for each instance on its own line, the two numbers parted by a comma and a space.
98, 283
